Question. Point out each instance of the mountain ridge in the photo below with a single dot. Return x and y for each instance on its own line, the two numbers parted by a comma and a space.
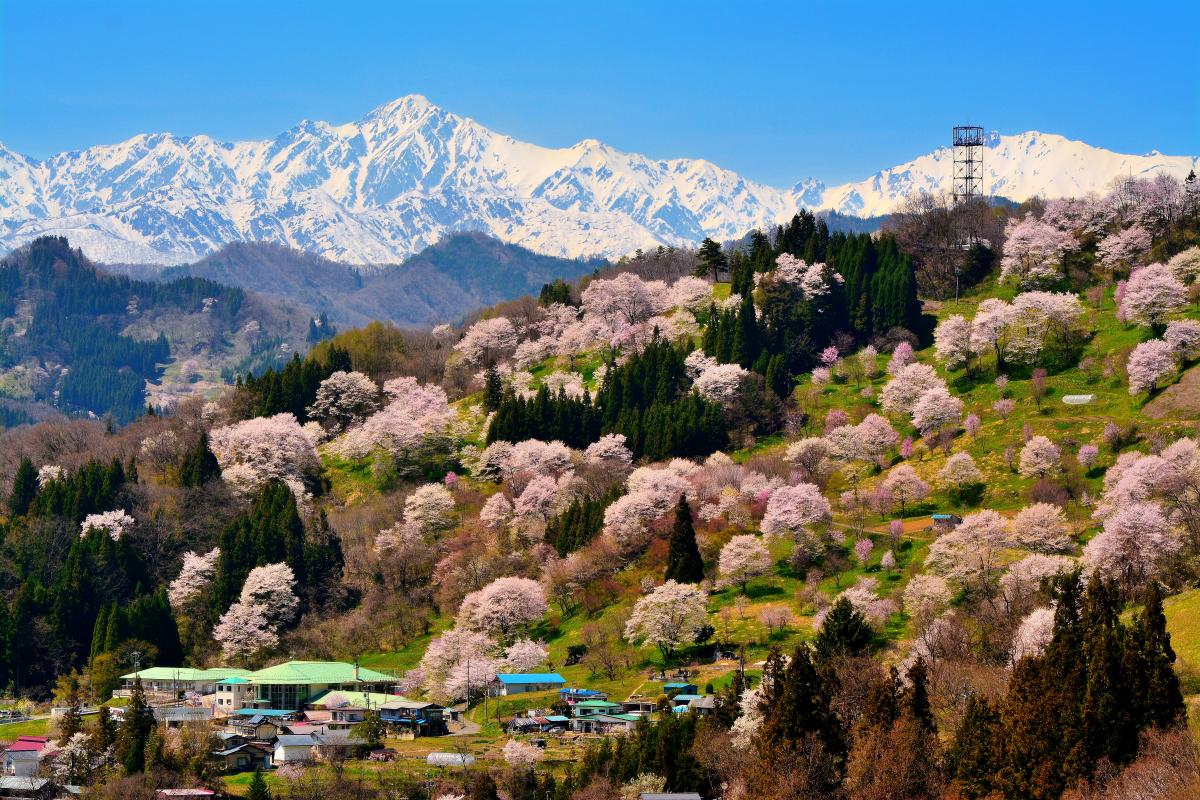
381, 188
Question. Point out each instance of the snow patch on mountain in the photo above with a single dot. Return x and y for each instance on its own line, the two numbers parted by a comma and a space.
380, 189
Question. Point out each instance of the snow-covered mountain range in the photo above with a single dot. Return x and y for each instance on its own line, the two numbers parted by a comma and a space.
382, 188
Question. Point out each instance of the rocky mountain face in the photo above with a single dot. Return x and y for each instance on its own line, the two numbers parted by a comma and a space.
383, 188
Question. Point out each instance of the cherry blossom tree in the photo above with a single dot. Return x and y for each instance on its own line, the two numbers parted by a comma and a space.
1149, 364
926, 596
809, 456
669, 617
691, 293
625, 297
503, 606
525, 655
1185, 266
497, 511
1040, 458
862, 551
868, 357
989, 327
262, 449
876, 435
1041, 528
48, 473
960, 470
1033, 634
1087, 455
905, 486
972, 424
813, 280
888, 561
907, 385
112, 523
793, 510
520, 754
902, 356
442, 671
539, 501
1121, 250
1041, 318
969, 553
1033, 251
609, 451
418, 418
345, 398
743, 558
486, 340
1183, 336
1151, 295
721, 383
1137, 539
430, 509
1025, 577
935, 409
952, 341
267, 602
195, 577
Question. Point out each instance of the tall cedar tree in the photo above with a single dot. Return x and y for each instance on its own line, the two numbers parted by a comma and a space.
25, 486
684, 563
800, 733
493, 389
199, 465
135, 731
845, 632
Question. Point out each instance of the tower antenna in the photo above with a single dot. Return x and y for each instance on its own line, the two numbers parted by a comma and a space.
968, 163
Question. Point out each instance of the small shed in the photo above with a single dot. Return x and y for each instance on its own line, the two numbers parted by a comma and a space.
293, 749
672, 689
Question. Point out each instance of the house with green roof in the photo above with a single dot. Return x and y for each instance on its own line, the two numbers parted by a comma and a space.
175, 682
292, 684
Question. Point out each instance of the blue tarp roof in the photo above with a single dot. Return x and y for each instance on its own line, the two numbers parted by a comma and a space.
677, 685
531, 677
264, 712
582, 692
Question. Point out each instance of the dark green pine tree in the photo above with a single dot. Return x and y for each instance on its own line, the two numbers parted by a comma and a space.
712, 260
916, 699
684, 563
105, 735
493, 389
845, 632
977, 753
199, 465
796, 706
135, 731
1149, 657
24, 490
745, 337
777, 378
258, 789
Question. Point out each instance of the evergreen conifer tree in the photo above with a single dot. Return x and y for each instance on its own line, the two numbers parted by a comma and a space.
199, 464
258, 789
135, 731
493, 389
712, 259
24, 489
684, 563
845, 631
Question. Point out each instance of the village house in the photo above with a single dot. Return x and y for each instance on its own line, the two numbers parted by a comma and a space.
179, 716
243, 756
32, 788
23, 758
291, 685
519, 683
672, 689
587, 708
605, 723
415, 716
174, 683
233, 693
293, 749
260, 725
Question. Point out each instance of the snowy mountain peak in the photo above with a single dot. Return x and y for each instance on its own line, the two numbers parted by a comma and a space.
378, 189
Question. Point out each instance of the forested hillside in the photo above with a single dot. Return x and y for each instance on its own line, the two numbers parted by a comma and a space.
905, 543
78, 341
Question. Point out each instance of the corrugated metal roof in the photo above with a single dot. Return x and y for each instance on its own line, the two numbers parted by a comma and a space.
185, 673
531, 677
337, 698
310, 672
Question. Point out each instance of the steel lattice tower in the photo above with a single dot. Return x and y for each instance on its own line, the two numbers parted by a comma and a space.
968, 163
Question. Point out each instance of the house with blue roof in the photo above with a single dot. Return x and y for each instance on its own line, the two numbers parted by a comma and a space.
521, 682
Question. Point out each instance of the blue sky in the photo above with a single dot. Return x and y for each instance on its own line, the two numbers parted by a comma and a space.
776, 91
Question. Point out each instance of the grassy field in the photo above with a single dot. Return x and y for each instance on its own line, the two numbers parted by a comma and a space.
33, 727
